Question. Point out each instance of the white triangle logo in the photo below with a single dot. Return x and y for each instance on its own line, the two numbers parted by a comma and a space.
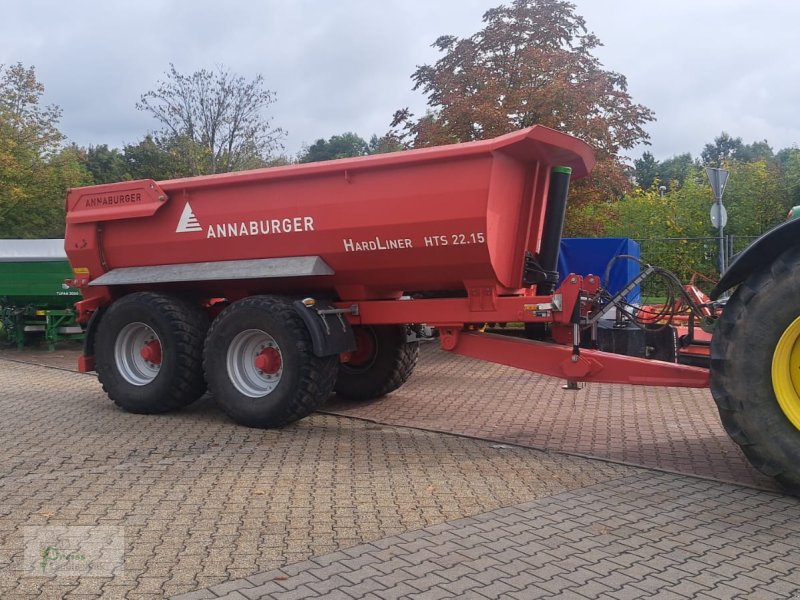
188, 222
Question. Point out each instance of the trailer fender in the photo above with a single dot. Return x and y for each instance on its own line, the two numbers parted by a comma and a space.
759, 255
331, 333
87, 360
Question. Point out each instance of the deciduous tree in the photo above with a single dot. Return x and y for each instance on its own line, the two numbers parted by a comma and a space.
532, 63
674, 171
150, 160
35, 171
216, 118
724, 148
337, 146
107, 165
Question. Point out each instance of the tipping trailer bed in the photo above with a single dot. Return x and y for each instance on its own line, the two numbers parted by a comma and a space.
362, 228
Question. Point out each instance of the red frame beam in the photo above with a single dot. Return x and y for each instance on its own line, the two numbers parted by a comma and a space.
481, 305
558, 361
446, 310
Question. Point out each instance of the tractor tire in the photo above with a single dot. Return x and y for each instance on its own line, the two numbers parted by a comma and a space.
383, 362
149, 350
260, 364
755, 369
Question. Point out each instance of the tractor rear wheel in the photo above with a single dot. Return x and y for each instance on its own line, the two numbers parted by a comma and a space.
382, 363
755, 369
149, 352
260, 364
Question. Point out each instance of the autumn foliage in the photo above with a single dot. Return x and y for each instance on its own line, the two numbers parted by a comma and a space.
532, 63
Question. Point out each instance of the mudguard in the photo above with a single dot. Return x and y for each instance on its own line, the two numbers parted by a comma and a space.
759, 255
91, 333
330, 332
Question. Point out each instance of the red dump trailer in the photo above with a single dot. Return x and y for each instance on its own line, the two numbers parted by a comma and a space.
276, 287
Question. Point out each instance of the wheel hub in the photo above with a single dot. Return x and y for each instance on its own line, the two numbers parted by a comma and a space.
255, 363
137, 353
365, 348
151, 352
268, 361
786, 372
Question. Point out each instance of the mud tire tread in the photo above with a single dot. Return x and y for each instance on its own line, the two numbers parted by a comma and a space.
316, 378
186, 326
394, 365
741, 357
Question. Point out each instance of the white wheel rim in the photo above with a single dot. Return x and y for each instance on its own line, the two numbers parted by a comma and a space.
128, 346
243, 373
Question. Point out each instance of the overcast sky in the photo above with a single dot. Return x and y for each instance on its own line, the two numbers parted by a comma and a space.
703, 66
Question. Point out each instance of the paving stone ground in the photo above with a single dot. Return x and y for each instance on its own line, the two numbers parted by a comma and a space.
648, 535
202, 500
675, 429
335, 507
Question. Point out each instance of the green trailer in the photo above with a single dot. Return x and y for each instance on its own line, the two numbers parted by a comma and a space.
35, 303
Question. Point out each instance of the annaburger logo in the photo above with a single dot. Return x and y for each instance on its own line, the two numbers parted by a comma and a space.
112, 200
188, 221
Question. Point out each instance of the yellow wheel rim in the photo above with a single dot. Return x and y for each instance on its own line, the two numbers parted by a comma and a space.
786, 372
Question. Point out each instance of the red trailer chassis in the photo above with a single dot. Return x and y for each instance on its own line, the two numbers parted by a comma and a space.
453, 318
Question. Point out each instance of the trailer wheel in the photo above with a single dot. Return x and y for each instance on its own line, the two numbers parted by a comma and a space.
260, 364
383, 362
149, 352
755, 369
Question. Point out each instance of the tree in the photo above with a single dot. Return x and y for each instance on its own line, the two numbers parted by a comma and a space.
532, 63
789, 163
24, 120
673, 172
150, 160
645, 170
217, 119
337, 146
755, 198
724, 148
106, 165
35, 171
385, 144
757, 151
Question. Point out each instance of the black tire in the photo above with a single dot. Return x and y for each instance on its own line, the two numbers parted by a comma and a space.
297, 383
742, 349
382, 368
146, 387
